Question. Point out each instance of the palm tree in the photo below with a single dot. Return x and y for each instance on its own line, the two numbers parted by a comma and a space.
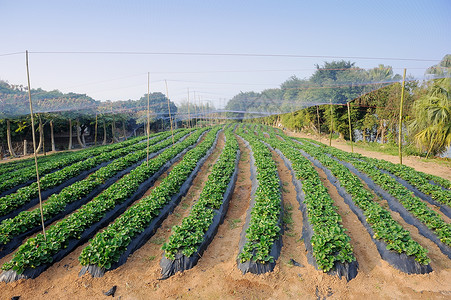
432, 124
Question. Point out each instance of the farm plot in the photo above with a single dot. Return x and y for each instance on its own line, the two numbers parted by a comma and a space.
414, 210
343, 228
14, 230
38, 253
26, 197
21, 175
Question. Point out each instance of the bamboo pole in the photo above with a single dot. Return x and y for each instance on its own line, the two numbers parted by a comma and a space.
43, 137
195, 108
169, 108
331, 124
350, 129
189, 116
34, 148
319, 126
148, 115
52, 136
123, 129
201, 108
95, 134
70, 134
400, 118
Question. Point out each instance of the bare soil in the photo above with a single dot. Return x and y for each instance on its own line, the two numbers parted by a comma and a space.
216, 276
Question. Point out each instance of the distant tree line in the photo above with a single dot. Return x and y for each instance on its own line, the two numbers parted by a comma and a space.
374, 97
64, 121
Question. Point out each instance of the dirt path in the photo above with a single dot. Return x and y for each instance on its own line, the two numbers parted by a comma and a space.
412, 161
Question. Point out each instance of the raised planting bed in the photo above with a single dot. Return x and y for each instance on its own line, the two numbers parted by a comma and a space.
190, 239
112, 247
14, 231
261, 239
393, 242
38, 253
328, 246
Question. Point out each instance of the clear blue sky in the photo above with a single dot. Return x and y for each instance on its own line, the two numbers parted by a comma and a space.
392, 29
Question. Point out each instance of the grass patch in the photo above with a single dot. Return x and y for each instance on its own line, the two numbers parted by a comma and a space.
234, 223
287, 218
290, 233
151, 257
158, 240
388, 148
243, 156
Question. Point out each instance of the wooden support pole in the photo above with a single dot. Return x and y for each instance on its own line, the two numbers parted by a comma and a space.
43, 139
70, 134
34, 148
350, 128
189, 116
331, 123
169, 109
148, 115
400, 118
195, 108
201, 108
123, 129
95, 132
52, 137
104, 132
319, 126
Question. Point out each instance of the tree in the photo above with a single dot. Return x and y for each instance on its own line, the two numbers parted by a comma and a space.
442, 69
10, 147
432, 113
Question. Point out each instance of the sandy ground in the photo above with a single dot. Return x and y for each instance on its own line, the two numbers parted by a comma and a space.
216, 276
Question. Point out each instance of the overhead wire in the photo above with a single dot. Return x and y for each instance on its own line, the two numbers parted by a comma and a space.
232, 54
308, 87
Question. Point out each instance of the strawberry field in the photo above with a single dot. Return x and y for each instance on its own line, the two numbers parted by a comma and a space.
239, 199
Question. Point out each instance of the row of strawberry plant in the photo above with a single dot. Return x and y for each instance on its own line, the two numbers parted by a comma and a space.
106, 247
380, 220
6, 168
411, 176
26, 162
14, 178
414, 205
415, 178
38, 252
57, 203
188, 236
330, 244
264, 223
12, 202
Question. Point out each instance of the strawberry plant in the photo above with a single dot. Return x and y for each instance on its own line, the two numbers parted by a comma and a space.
187, 237
24, 195
22, 175
107, 246
384, 226
37, 251
330, 244
263, 227
411, 203
56, 203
